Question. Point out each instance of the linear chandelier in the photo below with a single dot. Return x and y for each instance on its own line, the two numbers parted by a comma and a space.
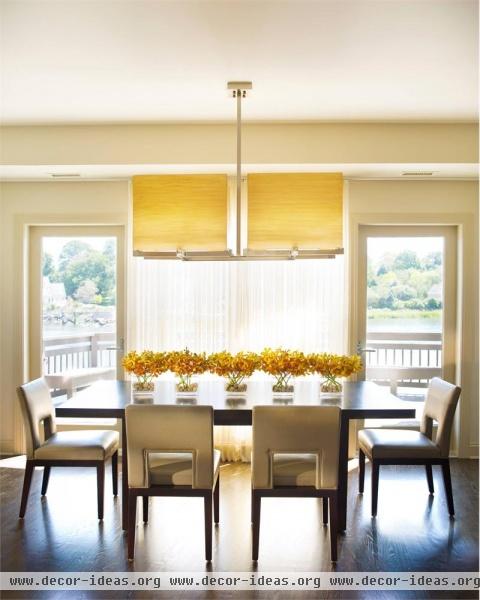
239, 91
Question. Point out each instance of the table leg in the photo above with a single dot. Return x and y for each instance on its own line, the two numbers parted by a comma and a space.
343, 474
124, 477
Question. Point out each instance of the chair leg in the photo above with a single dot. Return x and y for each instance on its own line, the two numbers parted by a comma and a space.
375, 476
132, 522
208, 525
325, 510
45, 480
27, 480
428, 470
448, 486
256, 510
145, 508
361, 471
100, 488
333, 528
216, 502
115, 473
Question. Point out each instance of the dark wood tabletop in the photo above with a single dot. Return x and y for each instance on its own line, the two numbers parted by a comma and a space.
359, 400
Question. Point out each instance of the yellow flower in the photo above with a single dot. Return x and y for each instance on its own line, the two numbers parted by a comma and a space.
184, 362
145, 365
235, 367
332, 366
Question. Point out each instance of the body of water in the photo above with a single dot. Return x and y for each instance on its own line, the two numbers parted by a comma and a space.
405, 325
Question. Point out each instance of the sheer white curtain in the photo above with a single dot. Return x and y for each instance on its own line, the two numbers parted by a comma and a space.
212, 306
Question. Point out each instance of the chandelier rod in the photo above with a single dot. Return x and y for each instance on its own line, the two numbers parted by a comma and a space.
239, 91
239, 174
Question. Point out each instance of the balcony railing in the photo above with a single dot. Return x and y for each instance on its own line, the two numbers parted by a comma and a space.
78, 351
403, 359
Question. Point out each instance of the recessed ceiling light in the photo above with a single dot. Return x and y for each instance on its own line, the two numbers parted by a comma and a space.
66, 175
417, 173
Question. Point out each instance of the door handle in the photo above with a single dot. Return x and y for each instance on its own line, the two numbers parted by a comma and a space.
363, 349
120, 347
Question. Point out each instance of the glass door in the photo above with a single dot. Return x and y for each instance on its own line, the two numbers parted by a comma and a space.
407, 306
76, 303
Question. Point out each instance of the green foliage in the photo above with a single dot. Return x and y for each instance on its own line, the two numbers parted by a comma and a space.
407, 259
87, 274
404, 313
48, 268
405, 282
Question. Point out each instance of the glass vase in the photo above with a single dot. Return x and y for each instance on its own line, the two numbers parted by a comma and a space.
331, 386
186, 388
143, 391
234, 389
282, 389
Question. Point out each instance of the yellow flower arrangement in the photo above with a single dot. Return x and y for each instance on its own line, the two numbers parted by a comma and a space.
333, 366
145, 366
234, 367
185, 364
283, 364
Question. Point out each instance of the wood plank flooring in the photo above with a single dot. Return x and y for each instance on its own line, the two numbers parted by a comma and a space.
412, 531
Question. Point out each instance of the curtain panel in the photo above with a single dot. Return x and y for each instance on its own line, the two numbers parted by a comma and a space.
214, 306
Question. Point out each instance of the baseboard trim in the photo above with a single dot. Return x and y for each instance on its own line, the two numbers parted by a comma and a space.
473, 451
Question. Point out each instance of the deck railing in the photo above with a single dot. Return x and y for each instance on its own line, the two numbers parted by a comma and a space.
78, 351
404, 359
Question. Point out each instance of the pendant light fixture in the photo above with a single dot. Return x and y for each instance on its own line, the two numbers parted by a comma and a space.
287, 216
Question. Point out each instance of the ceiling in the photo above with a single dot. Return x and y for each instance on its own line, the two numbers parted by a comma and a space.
118, 61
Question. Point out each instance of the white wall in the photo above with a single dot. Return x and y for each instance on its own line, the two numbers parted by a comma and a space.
107, 203
292, 143
432, 203
23, 204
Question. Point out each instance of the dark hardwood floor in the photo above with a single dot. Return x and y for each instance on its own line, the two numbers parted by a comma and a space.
412, 531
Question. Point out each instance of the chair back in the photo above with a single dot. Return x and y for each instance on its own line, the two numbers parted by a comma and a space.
154, 429
440, 405
296, 430
37, 409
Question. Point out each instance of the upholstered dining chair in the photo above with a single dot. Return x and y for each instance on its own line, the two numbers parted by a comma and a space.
170, 453
295, 453
86, 448
404, 447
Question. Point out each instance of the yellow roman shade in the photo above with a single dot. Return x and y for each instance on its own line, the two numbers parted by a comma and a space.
295, 210
172, 212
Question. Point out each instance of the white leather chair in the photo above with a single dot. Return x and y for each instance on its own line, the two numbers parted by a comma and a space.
61, 449
404, 447
170, 453
295, 454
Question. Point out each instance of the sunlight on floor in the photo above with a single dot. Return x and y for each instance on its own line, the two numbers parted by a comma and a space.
13, 462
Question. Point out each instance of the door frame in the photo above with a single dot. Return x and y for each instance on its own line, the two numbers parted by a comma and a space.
449, 300
34, 281
467, 343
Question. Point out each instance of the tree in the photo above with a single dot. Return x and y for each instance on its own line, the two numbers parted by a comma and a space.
404, 292
382, 269
407, 259
72, 249
86, 292
433, 304
48, 268
93, 266
433, 260
110, 249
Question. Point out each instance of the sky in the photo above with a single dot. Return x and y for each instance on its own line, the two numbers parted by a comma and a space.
54, 245
377, 246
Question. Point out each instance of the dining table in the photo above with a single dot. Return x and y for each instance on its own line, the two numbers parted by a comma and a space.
358, 400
